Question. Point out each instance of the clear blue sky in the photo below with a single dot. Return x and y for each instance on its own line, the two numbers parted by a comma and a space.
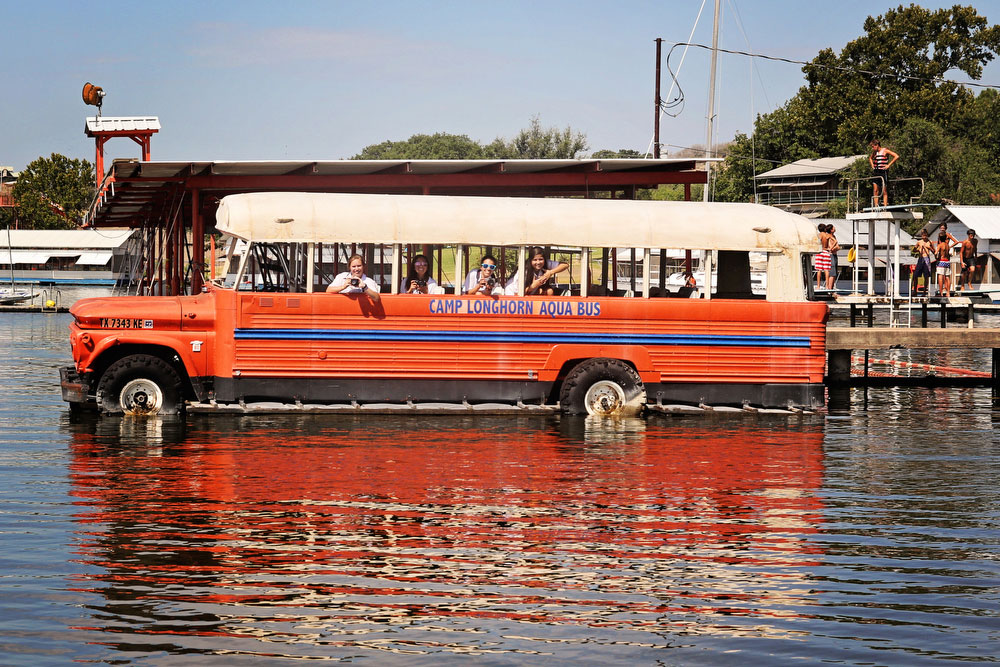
250, 80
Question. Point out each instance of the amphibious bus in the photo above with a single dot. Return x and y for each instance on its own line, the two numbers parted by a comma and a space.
267, 331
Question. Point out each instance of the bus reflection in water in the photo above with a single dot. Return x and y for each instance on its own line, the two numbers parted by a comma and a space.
332, 532
605, 347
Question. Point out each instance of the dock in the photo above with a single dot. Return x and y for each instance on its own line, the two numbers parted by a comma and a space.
841, 342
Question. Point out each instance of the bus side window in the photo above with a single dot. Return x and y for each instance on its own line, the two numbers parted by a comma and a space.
733, 275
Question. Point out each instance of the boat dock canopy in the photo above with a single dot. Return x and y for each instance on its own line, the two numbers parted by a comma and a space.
347, 218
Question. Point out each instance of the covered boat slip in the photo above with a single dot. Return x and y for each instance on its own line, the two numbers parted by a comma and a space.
731, 231
173, 204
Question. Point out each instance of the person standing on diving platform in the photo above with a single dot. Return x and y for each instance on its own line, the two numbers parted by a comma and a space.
881, 159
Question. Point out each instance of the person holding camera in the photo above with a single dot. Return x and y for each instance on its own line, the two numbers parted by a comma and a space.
418, 276
354, 280
539, 274
483, 280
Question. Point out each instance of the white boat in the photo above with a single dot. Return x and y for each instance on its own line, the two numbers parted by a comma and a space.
11, 295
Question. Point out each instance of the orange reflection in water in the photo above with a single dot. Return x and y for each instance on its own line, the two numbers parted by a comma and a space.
315, 533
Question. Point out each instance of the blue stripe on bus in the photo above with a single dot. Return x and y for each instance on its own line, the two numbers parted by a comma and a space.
519, 337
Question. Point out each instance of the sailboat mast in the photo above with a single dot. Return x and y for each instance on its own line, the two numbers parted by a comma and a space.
711, 99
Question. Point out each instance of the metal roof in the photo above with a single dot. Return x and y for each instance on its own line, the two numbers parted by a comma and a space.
141, 190
984, 219
121, 124
44, 239
811, 167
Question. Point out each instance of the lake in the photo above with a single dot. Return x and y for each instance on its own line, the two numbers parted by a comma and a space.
867, 535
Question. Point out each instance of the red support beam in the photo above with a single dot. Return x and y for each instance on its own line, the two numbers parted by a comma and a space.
197, 243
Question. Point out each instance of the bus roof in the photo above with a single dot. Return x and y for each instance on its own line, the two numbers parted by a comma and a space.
310, 217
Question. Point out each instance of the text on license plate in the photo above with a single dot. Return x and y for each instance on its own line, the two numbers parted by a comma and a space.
125, 323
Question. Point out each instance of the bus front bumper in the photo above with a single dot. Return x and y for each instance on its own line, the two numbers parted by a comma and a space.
74, 389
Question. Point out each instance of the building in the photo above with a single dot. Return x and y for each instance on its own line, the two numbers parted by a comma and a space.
8, 177
64, 257
805, 186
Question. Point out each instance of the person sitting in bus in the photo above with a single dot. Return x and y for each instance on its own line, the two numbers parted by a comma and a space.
418, 276
354, 280
539, 274
483, 280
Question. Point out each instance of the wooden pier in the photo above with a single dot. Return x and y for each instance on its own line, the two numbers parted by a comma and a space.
842, 341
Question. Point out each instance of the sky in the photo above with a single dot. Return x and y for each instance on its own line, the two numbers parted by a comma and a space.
301, 80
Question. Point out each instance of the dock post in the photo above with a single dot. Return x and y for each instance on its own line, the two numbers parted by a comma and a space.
995, 379
839, 367
923, 314
854, 315
944, 315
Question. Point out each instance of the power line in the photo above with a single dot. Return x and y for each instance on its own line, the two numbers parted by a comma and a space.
838, 68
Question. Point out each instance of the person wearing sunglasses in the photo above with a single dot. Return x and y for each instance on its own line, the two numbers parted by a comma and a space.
418, 278
483, 280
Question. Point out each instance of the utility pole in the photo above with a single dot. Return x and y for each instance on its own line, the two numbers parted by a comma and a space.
657, 103
711, 100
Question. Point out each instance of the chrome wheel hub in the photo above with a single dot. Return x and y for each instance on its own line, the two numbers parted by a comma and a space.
604, 398
141, 397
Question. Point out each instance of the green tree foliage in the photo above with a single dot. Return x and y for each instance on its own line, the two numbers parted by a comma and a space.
623, 153
49, 184
536, 142
438, 146
898, 98
533, 141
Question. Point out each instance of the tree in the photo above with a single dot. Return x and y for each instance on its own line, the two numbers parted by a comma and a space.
535, 142
876, 86
54, 192
626, 153
439, 146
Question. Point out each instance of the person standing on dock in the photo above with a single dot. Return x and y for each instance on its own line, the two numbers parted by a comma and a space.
821, 262
970, 247
925, 251
881, 159
832, 246
943, 265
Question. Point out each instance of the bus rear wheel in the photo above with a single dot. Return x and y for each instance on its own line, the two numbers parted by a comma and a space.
140, 384
603, 387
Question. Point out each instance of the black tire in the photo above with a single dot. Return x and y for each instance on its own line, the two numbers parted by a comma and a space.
140, 384
604, 387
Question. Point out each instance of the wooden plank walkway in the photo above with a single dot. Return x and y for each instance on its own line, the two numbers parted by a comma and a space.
894, 338
842, 341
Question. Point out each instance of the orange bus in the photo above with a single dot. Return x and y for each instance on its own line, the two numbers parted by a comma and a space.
602, 342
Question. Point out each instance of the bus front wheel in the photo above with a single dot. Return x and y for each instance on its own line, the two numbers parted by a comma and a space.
603, 387
140, 384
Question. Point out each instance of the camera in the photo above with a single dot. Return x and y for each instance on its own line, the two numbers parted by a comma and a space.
421, 283
355, 282
490, 282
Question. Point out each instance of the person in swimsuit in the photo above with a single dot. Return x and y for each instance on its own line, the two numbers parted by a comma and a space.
970, 246
822, 262
943, 265
832, 246
881, 159
924, 251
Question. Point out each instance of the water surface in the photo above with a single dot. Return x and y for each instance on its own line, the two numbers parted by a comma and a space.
860, 537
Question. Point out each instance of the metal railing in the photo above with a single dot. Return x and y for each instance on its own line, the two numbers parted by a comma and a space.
804, 197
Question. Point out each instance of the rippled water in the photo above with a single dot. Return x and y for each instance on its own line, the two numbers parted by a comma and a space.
860, 537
